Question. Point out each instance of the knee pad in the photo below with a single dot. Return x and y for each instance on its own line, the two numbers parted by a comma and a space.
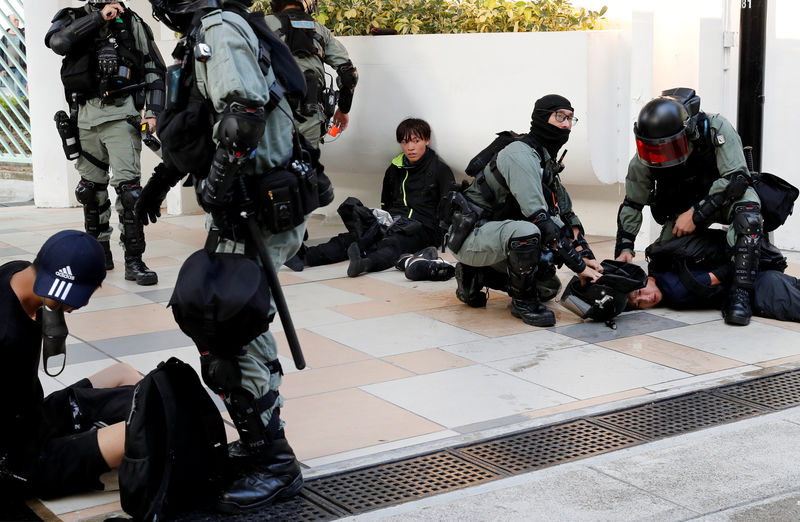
133, 236
86, 194
747, 219
523, 260
748, 225
221, 374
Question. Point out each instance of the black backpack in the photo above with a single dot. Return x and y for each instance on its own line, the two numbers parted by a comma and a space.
503, 139
175, 445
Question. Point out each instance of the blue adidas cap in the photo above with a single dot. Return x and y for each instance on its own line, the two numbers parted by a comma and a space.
70, 267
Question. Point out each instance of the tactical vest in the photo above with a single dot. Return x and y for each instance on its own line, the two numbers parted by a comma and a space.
510, 209
109, 67
298, 30
679, 187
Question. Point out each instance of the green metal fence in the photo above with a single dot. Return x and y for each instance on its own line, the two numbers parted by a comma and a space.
15, 118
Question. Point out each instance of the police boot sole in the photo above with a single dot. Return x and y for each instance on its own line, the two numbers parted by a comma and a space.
142, 279
283, 493
737, 320
547, 318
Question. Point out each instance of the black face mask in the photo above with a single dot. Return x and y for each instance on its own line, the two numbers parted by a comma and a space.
54, 336
551, 137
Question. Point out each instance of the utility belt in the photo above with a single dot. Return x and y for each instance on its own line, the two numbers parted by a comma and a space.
287, 195
459, 216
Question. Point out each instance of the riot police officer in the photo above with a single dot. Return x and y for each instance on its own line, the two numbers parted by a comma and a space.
690, 169
111, 72
226, 73
523, 221
313, 46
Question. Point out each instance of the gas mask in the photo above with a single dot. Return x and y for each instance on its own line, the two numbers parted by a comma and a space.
54, 336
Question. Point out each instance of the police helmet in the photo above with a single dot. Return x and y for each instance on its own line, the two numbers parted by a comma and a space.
178, 14
608, 297
660, 131
309, 6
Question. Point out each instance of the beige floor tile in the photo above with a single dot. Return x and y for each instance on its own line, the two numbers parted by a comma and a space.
347, 420
778, 362
493, 321
671, 354
339, 377
781, 324
105, 324
154, 262
74, 225
319, 351
428, 361
576, 405
375, 289
368, 309
108, 290
286, 278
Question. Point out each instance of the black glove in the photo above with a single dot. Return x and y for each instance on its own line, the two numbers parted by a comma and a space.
148, 206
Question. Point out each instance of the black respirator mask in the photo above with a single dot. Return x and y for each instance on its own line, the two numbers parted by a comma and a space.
54, 336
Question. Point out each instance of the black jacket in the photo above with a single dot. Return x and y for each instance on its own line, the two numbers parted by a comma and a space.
414, 191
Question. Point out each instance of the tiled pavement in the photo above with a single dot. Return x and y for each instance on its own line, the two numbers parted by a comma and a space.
395, 365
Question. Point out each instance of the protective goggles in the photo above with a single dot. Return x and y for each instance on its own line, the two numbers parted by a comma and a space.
663, 152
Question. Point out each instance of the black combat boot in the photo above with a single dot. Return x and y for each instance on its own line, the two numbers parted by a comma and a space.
470, 285
136, 270
532, 312
274, 475
107, 251
738, 311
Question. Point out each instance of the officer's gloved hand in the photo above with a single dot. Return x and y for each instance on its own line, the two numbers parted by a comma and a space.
148, 206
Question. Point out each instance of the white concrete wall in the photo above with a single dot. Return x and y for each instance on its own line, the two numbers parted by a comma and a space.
470, 86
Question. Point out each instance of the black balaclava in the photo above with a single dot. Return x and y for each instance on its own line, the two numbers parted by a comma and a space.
550, 136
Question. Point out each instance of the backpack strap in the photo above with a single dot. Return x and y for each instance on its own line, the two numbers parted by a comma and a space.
693, 285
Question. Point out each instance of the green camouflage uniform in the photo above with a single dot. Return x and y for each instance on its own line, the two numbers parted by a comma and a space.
233, 73
639, 186
520, 166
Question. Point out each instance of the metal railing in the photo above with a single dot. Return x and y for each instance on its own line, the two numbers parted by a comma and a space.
15, 126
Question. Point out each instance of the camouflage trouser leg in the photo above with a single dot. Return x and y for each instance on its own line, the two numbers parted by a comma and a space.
256, 376
118, 144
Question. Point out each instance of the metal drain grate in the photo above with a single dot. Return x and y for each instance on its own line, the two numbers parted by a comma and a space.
776, 392
382, 485
549, 446
396, 482
297, 509
678, 415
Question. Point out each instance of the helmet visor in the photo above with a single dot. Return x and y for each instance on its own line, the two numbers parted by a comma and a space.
663, 152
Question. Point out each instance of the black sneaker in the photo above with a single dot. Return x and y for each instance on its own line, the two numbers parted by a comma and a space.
429, 270
430, 252
295, 263
532, 312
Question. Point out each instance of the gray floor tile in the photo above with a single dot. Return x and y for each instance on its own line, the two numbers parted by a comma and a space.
161, 295
12, 251
143, 343
400, 333
633, 323
754, 343
466, 395
573, 371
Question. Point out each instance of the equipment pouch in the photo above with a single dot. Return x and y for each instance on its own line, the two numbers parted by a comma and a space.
310, 103
78, 75
460, 228
281, 200
777, 199
68, 131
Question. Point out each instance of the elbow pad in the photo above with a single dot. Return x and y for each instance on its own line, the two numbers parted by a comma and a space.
241, 127
65, 34
346, 80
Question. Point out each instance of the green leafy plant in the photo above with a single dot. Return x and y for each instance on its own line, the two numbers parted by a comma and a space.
356, 17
